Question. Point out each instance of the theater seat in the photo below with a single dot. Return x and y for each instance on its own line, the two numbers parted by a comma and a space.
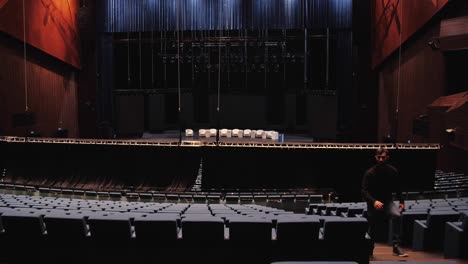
456, 238
203, 238
297, 237
252, 236
109, 228
66, 235
156, 229
23, 230
345, 239
203, 227
316, 262
429, 234
407, 223
250, 229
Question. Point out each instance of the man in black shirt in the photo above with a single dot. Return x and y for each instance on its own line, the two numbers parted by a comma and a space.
377, 186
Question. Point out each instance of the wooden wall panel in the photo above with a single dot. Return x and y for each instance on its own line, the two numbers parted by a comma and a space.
52, 93
51, 26
390, 17
422, 81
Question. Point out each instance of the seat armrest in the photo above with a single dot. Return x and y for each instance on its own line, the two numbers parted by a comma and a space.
419, 235
421, 223
453, 240
453, 226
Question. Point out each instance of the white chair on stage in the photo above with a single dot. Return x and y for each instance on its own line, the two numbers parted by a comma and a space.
273, 135
247, 133
223, 132
237, 133
188, 132
259, 133
253, 133
213, 132
202, 133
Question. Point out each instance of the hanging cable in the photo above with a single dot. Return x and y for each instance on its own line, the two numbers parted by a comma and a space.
152, 49
397, 107
139, 38
178, 73
26, 105
327, 69
219, 72
178, 56
128, 60
219, 56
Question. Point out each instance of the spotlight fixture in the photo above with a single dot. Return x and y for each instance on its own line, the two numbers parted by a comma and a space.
62, 133
33, 133
434, 44
451, 133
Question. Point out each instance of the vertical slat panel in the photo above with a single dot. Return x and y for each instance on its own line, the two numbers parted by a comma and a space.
127, 15
340, 13
52, 94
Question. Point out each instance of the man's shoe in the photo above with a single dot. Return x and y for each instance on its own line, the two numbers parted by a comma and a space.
398, 252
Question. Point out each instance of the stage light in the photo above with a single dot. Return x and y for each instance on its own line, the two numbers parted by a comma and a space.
62, 133
450, 130
33, 133
434, 44
451, 133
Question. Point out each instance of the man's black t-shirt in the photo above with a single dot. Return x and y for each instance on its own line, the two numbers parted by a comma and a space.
379, 182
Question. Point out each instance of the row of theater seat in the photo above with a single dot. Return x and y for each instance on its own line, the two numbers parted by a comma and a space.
237, 133
197, 197
266, 233
380, 262
427, 225
449, 182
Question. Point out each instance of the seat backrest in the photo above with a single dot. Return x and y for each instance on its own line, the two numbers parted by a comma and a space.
354, 211
345, 229
22, 224
156, 227
297, 229
341, 209
109, 227
250, 229
437, 219
202, 228
464, 219
65, 225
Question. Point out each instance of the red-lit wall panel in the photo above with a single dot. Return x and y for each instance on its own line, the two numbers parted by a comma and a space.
51, 94
51, 26
390, 17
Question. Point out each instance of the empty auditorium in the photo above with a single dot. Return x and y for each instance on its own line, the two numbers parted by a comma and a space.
234, 131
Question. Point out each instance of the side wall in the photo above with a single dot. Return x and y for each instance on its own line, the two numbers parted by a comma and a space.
51, 90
